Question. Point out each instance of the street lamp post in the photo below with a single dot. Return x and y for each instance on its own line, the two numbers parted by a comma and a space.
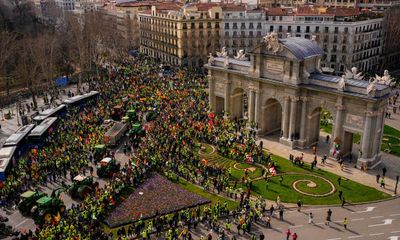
18, 110
397, 182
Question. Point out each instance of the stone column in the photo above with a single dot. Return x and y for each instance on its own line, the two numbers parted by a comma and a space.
227, 107
378, 134
251, 105
285, 118
211, 94
258, 111
366, 139
338, 128
303, 118
293, 113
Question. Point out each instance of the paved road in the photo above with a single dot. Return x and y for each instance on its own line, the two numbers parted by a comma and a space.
373, 221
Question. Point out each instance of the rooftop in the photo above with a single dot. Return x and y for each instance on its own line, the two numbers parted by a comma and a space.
302, 48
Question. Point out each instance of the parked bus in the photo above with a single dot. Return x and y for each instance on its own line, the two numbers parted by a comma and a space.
19, 139
81, 100
39, 136
7, 160
59, 111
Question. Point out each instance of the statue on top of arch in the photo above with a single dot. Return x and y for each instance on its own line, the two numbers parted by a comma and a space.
223, 53
241, 56
354, 74
272, 42
386, 79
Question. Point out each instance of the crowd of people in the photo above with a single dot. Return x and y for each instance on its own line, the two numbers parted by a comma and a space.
182, 121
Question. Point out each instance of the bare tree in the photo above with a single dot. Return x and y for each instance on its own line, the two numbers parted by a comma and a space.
7, 49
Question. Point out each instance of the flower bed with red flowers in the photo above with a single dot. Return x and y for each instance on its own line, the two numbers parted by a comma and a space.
156, 195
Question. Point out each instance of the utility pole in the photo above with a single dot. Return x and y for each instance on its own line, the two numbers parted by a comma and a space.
397, 182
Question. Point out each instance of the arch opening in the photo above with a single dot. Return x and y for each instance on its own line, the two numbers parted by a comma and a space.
271, 117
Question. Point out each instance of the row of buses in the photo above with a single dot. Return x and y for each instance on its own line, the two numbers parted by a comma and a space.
36, 135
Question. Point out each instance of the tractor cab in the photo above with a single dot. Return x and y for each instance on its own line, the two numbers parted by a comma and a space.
107, 167
28, 200
48, 207
99, 151
132, 115
82, 186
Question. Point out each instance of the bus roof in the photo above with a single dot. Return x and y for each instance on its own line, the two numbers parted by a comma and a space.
20, 134
48, 112
41, 128
6, 153
78, 98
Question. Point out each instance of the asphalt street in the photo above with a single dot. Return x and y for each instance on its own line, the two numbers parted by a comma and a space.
376, 221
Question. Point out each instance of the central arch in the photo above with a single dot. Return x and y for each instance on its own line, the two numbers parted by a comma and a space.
271, 116
239, 103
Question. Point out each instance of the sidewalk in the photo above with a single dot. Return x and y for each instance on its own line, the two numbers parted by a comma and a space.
271, 144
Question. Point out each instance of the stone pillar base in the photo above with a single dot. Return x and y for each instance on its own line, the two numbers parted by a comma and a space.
369, 163
302, 143
287, 142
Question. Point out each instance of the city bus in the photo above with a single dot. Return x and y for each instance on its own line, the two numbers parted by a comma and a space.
59, 111
39, 136
7, 160
81, 100
19, 139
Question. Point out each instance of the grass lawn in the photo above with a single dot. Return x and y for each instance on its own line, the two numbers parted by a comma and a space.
391, 140
352, 191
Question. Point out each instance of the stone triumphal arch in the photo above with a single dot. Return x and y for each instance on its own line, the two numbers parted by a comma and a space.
285, 91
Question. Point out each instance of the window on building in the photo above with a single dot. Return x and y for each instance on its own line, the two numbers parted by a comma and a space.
326, 29
208, 25
259, 25
336, 30
226, 34
334, 48
192, 25
307, 29
216, 15
226, 25
242, 33
201, 25
234, 33
258, 33
289, 29
251, 33
317, 29
271, 28
251, 26
333, 58
216, 25
346, 30
243, 26
298, 29
280, 29
234, 26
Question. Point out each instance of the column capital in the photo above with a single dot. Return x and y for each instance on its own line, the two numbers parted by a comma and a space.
286, 98
340, 107
305, 99
371, 113
295, 99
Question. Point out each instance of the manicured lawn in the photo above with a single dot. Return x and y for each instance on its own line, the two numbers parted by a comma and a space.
391, 140
352, 191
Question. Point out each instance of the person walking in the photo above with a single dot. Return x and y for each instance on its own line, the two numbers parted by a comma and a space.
384, 171
328, 217
343, 201
383, 182
294, 236
377, 178
288, 234
345, 222
281, 213
310, 218
299, 206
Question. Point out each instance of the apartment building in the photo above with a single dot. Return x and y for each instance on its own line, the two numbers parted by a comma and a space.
348, 37
181, 35
242, 28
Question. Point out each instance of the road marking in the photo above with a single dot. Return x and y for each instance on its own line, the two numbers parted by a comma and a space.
376, 217
395, 232
334, 238
369, 209
297, 226
357, 219
396, 214
19, 224
376, 234
393, 238
357, 236
321, 223
385, 222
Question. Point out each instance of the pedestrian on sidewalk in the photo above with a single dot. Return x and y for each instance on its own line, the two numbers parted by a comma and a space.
310, 218
294, 236
383, 182
384, 172
328, 217
288, 233
377, 178
299, 206
281, 213
340, 194
345, 222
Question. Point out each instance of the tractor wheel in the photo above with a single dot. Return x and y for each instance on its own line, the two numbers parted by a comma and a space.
47, 217
96, 185
34, 209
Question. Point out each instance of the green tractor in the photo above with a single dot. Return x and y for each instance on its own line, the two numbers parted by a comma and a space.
82, 186
28, 200
99, 152
137, 129
132, 115
47, 208
107, 168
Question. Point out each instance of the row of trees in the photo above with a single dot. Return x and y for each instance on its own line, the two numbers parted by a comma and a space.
35, 50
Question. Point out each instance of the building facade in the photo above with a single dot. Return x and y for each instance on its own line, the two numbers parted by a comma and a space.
181, 35
346, 39
242, 28
286, 92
